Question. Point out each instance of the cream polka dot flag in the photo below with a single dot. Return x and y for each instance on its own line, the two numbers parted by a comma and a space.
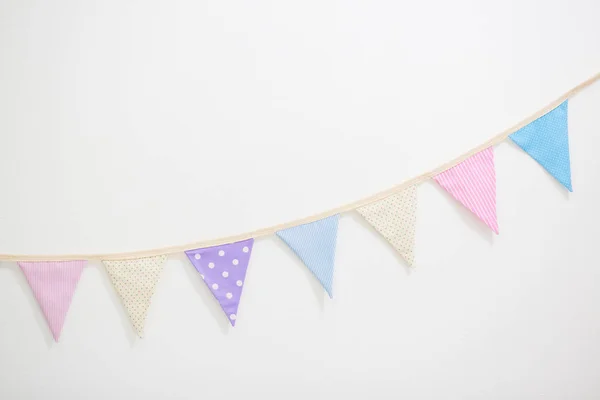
395, 218
135, 281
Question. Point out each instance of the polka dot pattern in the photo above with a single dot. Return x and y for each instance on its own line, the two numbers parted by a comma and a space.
224, 270
395, 218
135, 282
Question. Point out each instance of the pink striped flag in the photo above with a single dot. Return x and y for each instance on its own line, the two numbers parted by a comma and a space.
473, 183
53, 284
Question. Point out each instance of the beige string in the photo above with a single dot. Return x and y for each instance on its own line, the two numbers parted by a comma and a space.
345, 208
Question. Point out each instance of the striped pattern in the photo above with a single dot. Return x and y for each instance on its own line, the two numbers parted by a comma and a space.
53, 284
473, 183
315, 244
395, 218
546, 140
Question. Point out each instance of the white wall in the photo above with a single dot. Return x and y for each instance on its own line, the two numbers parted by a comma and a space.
139, 124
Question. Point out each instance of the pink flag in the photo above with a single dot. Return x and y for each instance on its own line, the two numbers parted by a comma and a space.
473, 183
53, 284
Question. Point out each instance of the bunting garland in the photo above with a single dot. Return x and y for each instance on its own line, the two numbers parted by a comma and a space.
223, 264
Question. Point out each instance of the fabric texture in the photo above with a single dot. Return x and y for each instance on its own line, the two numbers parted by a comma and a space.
395, 218
546, 140
315, 244
473, 184
53, 284
223, 269
135, 281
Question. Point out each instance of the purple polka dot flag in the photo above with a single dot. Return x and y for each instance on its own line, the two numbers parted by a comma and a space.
223, 269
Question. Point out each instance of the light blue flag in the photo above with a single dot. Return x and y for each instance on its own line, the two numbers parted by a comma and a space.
546, 140
314, 243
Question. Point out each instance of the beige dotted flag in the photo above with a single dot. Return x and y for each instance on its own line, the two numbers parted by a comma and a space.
394, 218
135, 281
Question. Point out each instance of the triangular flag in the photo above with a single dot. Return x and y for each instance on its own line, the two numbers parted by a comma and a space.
394, 218
135, 281
473, 183
223, 269
546, 140
53, 284
314, 243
